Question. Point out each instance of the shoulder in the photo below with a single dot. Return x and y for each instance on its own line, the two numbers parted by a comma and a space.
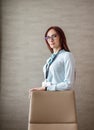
66, 55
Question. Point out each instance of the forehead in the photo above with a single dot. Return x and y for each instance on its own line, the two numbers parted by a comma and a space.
51, 32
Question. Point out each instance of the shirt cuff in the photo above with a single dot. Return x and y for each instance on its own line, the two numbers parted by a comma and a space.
51, 88
46, 84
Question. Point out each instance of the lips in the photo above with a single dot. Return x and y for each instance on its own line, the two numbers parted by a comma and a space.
52, 44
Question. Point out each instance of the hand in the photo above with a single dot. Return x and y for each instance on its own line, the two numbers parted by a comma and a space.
36, 89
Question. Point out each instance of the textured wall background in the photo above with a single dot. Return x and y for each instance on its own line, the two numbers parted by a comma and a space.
0, 45
24, 52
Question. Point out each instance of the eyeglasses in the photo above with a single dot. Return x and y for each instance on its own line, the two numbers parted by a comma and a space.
52, 37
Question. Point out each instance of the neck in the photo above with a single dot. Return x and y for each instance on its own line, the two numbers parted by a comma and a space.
55, 50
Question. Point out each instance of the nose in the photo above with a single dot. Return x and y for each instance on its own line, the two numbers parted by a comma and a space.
51, 39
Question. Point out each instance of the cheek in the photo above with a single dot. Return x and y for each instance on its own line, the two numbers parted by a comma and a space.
58, 40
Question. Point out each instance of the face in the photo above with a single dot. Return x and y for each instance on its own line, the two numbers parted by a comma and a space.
53, 39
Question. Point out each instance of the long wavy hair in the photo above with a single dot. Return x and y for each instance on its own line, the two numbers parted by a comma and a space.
62, 37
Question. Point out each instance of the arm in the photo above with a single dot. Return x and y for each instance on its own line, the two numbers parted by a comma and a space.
69, 76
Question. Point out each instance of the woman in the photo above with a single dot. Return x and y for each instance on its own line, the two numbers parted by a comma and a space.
60, 67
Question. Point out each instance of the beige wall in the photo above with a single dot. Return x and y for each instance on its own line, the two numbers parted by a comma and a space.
0, 43
24, 23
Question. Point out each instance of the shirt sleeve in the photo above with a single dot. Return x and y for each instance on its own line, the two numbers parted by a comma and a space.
69, 67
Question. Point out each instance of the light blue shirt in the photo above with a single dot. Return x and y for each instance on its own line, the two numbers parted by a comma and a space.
61, 72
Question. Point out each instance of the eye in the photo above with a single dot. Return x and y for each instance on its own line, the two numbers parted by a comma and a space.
54, 35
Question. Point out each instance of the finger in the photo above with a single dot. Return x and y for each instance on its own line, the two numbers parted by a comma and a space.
34, 89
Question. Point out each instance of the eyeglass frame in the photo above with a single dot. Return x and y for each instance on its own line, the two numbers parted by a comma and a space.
51, 37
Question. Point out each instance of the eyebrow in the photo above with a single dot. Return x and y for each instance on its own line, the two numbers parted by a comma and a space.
51, 35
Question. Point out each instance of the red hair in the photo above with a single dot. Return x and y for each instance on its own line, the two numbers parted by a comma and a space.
61, 34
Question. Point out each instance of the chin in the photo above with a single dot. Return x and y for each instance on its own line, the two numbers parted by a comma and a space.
52, 46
